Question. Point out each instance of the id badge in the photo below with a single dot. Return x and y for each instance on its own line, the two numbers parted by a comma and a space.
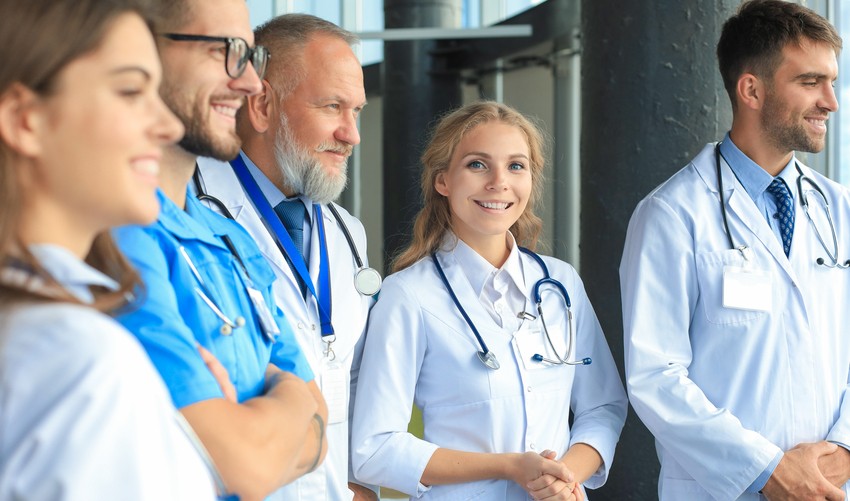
747, 289
335, 391
269, 326
531, 341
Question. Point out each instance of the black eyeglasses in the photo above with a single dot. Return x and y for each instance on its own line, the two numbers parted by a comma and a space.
237, 56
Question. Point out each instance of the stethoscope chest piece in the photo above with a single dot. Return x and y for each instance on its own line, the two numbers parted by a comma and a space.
489, 359
367, 281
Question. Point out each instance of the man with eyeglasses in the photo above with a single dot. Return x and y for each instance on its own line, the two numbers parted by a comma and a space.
298, 133
207, 299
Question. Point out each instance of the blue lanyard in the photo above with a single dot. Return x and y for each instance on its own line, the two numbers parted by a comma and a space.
287, 247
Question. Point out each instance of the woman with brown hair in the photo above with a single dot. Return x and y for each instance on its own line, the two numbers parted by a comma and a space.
83, 413
482, 335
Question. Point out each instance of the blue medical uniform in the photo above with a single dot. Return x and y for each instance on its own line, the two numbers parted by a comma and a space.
171, 318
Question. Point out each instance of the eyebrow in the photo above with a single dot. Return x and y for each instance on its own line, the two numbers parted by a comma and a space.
339, 99
811, 75
130, 69
487, 155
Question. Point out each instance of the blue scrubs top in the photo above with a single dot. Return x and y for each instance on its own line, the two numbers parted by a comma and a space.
170, 318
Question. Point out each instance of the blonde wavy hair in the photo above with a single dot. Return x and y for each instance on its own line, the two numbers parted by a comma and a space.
434, 219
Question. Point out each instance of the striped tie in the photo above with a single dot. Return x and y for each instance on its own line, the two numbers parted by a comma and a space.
784, 211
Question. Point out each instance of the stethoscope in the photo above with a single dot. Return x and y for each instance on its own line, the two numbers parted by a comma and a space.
367, 280
487, 357
804, 201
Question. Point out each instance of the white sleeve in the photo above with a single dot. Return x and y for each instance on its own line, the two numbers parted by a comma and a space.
383, 452
598, 400
86, 416
659, 292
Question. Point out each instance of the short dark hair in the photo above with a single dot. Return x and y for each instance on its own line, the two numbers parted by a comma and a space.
752, 40
286, 36
171, 15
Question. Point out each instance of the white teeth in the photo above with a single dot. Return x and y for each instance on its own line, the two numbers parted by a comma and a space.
147, 166
225, 110
494, 205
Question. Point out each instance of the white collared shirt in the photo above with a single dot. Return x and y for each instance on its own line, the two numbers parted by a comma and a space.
83, 413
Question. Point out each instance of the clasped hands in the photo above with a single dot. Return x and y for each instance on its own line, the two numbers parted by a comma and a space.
810, 471
544, 477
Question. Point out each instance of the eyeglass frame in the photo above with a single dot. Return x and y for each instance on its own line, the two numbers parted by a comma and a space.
250, 55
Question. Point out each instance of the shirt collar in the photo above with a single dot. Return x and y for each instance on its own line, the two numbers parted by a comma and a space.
752, 177
197, 222
70, 271
269, 190
478, 270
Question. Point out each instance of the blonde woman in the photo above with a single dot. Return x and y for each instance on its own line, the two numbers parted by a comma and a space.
459, 332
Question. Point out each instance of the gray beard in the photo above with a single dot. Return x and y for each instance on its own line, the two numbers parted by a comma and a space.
302, 173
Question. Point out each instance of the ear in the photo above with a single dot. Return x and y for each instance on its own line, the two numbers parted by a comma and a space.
750, 91
440, 184
21, 120
261, 108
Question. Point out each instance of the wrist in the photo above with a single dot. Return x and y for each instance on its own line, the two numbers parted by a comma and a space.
508, 466
319, 429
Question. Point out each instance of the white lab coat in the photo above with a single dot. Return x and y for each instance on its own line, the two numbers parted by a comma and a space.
725, 390
83, 413
420, 350
350, 309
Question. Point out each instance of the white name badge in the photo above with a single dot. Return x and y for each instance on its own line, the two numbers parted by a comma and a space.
747, 289
335, 391
265, 316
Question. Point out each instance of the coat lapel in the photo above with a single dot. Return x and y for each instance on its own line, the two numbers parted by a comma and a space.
747, 225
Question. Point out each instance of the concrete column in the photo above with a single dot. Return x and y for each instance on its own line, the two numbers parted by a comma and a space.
651, 98
417, 88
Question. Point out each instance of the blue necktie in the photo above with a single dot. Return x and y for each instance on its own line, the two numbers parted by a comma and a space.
784, 211
292, 214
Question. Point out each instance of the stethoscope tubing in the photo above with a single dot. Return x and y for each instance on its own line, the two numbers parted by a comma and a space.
804, 201
485, 355
203, 196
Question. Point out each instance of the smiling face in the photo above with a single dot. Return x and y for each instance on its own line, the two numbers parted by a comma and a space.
488, 184
800, 98
100, 138
318, 129
197, 87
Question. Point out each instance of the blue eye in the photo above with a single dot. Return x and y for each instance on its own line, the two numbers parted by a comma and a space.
516, 166
476, 164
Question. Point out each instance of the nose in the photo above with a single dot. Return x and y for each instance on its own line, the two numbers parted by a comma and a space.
166, 128
829, 101
248, 83
347, 131
497, 181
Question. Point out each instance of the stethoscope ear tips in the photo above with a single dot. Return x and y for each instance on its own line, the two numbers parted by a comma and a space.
586, 361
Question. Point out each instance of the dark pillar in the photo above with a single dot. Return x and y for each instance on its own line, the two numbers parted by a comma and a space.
417, 88
651, 98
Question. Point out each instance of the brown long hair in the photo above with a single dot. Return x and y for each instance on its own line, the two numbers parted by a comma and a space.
38, 39
434, 219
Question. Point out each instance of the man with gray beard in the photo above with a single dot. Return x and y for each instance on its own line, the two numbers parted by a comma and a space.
297, 134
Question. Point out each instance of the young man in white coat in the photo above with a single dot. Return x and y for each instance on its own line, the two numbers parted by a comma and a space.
734, 310
298, 133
